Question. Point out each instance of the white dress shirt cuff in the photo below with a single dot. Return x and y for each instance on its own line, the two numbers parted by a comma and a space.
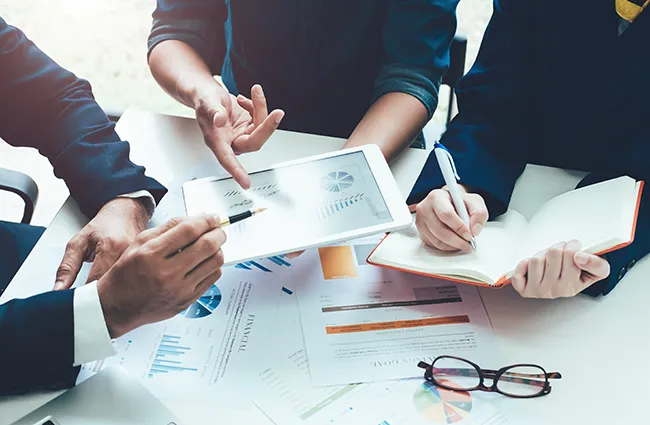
91, 339
149, 201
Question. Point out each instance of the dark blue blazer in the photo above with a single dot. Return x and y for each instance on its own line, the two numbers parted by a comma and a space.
48, 108
554, 84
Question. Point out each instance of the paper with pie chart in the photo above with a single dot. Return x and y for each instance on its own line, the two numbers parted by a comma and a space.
204, 351
306, 204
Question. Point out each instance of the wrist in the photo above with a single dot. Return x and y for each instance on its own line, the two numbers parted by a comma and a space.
115, 320
134, 209
198, 93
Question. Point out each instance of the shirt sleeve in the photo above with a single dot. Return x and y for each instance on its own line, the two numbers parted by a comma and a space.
417, 35
91, 339
198, 23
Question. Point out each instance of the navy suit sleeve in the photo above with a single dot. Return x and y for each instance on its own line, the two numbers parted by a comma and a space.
37, 349
46, 107
199, 23
416, 37
488, 137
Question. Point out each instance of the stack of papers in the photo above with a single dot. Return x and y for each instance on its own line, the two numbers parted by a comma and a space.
321, 339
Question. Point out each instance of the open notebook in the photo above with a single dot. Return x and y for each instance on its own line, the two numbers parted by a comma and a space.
601, 216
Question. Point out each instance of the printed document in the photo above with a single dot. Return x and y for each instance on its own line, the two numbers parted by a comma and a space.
363, 323
207, 350
286, 396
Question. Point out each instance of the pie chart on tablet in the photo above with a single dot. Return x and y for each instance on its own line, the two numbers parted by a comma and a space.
440, 406
336, 181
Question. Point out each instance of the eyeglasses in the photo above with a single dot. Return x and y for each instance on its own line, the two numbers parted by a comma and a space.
518, 381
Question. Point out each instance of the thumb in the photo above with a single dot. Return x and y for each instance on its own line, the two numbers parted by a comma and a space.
596, 268
73, 259
218, 113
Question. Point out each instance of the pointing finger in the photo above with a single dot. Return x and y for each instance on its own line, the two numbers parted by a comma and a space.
228, 160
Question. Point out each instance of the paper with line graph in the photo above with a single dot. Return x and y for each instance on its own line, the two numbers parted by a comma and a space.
308, 204
363, 323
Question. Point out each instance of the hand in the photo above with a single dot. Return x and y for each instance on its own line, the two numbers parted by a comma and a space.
102, 240
440, 226
162, 273
560, 271
235, 125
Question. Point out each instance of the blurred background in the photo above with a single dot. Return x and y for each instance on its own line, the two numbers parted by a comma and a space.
105, 42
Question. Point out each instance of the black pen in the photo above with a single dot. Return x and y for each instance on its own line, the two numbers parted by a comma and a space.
241, 216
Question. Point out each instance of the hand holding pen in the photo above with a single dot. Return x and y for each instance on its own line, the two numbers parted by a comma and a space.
449, 219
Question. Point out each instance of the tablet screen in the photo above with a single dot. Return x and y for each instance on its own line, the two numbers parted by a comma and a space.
304, 201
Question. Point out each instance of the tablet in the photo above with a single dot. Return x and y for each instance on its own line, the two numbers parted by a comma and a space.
310, 202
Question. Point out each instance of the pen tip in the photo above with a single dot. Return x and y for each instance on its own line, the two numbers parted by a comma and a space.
259, 210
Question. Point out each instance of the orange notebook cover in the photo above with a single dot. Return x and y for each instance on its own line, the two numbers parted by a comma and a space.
504, 280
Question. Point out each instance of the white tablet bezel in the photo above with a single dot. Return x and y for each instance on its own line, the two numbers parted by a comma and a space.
380, 171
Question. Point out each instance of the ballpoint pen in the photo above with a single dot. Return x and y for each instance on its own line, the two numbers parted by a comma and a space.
241, 216
449, 173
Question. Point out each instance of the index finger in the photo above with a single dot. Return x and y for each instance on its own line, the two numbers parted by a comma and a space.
184, 234
228, 160
444, 210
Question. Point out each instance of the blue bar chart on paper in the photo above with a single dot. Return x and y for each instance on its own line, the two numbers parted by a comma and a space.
169, 357
266, 265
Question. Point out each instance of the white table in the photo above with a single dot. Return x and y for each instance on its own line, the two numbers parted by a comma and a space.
601, 346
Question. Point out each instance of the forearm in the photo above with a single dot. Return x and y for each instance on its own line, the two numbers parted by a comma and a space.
181, 72
392, 123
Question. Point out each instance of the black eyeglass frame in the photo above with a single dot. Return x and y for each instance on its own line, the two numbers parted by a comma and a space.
494, 375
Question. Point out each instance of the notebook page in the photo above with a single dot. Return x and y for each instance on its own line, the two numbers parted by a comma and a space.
494, 247
595, 215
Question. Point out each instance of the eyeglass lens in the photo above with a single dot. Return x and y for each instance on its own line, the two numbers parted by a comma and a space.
522, 381
455, 374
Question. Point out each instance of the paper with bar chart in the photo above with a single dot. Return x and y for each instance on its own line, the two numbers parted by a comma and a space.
364, 323
284, 391
307, 203
206, 350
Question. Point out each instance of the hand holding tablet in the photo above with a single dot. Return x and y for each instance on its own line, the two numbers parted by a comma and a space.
313, 201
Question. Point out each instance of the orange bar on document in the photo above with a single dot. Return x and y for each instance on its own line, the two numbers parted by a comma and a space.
399, 324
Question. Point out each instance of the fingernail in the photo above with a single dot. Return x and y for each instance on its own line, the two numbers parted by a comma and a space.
581, 258
467, 236
58, 285
478, 227
279, 117
258, 91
